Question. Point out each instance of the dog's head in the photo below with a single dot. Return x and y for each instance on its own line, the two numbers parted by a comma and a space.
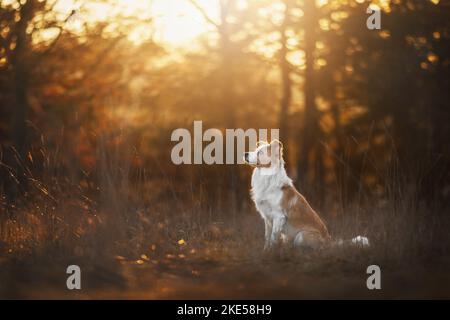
266, 155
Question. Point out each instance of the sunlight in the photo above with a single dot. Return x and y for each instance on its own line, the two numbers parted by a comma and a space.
176, 22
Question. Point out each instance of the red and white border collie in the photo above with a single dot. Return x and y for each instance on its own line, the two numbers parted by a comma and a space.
286, 213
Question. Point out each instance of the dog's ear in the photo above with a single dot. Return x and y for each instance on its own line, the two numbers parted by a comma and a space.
277, 147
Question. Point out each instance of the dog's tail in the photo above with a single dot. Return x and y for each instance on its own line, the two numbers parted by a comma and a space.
358, 241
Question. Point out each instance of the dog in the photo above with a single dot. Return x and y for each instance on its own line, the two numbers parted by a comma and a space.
286, 213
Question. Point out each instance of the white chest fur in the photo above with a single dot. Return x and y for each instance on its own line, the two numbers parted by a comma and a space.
267, 184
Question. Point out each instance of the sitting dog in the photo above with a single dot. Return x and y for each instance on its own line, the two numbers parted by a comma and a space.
285, 211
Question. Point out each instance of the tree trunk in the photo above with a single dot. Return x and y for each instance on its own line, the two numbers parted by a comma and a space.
309, 133
21, 62
235, 193
285, 79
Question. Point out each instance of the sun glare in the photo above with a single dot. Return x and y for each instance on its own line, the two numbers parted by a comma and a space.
176, 22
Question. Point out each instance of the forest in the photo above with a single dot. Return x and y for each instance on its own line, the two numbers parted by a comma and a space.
91, 92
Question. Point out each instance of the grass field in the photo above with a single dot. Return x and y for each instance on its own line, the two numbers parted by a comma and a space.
176, 258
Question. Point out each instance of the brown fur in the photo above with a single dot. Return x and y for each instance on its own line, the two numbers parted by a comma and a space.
302, 217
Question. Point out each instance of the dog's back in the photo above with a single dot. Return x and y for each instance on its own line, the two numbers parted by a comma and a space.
304, 223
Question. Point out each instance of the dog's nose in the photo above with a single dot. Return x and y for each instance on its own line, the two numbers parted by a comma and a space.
246, 156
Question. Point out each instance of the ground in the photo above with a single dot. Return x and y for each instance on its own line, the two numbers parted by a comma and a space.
220, 274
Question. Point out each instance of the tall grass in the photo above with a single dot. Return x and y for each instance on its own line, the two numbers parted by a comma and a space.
120, 209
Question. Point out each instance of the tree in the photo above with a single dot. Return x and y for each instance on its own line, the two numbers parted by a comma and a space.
310, 163
285, 70
19, 27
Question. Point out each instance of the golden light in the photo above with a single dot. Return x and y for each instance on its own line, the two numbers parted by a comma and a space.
175, 22
178, 22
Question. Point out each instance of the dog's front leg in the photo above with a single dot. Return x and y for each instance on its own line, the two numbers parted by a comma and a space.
268, 233
278, 226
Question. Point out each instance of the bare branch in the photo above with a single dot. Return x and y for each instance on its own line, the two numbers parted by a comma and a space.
204, 14
61, 29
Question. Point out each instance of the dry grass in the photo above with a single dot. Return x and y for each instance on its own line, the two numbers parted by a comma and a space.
135, 242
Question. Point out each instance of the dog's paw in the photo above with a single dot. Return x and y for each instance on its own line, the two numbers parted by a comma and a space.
272, 246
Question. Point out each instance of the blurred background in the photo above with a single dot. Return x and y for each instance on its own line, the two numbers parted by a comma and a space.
90, 92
